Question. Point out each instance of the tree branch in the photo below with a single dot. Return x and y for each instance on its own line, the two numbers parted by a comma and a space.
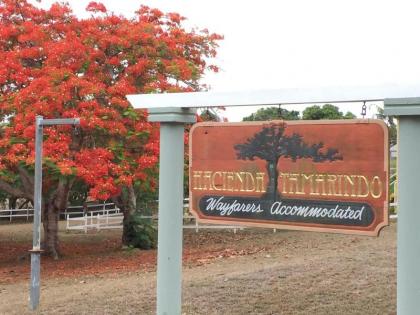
27, 180
13, 191
60, 196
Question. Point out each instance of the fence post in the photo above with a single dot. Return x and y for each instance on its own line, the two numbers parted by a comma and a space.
86, 222
408, 238
171, 201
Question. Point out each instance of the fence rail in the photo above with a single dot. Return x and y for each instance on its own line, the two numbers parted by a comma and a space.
95, 208
17, 213
114, 221
71, 211
196, 225
99, 220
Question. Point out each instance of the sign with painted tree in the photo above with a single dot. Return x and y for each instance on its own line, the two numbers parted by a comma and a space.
307, 175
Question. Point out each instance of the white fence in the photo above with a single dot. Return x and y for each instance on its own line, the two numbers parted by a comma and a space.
17, 213
98, 220
71, 211
105, 216
112, 219
198, 226
195, 225
105, 221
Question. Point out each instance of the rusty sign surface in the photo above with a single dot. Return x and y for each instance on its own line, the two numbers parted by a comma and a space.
327, 176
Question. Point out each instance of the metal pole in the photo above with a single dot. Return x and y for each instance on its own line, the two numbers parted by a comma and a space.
171, 178
408, 237
36, 242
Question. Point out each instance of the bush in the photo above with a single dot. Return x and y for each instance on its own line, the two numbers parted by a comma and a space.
141, 233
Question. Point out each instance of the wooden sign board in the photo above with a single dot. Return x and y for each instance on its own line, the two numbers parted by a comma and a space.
329, 176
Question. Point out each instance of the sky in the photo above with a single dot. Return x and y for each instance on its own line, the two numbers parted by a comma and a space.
275, 44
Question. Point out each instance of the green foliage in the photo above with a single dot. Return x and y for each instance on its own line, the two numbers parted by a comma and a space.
141, 233
273, 113
3, 197
389, 121
78, 193
327, 111
314, 112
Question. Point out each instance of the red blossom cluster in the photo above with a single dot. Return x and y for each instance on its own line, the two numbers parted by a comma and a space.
57, 65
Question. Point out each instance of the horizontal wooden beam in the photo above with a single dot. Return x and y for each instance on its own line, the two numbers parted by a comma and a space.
273, 97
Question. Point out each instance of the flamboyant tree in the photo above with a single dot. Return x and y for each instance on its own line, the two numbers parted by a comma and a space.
59, 66
271, 143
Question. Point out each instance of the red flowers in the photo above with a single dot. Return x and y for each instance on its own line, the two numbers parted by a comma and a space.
56, 65
96, 7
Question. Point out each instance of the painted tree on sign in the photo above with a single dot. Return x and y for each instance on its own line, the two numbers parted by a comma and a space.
59, 66
271, 143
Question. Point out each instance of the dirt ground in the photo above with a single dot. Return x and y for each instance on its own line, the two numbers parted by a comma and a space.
254, 271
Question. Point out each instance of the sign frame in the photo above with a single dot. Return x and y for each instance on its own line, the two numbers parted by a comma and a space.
291, 226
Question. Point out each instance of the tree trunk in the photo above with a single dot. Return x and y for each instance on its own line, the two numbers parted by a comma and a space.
50, 223
51, 213
273, 174
12, 202
50, 208
127, 203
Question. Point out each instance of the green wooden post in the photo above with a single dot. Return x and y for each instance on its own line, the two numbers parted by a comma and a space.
408, 238
171, 199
